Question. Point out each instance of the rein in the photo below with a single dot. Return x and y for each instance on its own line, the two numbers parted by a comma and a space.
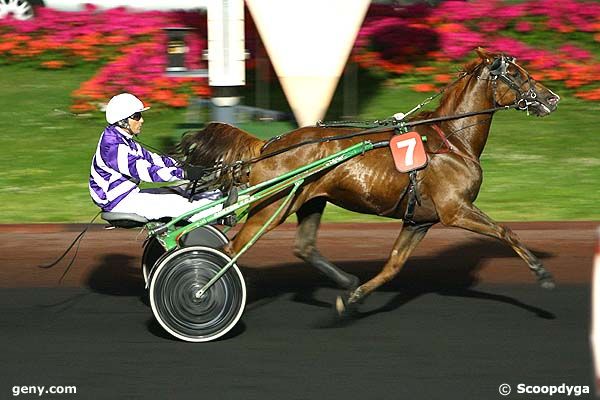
239, 167
375, 127
498, 71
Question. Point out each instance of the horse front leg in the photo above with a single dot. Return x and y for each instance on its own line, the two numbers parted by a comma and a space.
471, 218
408, 239
309, 218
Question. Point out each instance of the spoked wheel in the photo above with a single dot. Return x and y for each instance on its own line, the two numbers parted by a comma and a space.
178, 276
207, 236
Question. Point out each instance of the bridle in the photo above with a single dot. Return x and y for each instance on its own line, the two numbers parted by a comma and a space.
498, 71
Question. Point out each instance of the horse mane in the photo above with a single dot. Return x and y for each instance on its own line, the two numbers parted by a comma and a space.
446, 105
219, 144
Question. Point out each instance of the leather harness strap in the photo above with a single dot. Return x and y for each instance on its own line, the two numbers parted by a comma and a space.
412, 191
450, 148
414, 198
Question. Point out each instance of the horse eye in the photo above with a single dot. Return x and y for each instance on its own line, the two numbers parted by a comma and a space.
496, 64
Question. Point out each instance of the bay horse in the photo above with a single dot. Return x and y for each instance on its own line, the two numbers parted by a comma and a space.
371, 184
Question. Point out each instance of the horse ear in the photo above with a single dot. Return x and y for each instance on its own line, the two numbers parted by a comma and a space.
485, 55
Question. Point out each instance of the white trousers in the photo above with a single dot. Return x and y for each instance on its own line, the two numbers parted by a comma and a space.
155, 206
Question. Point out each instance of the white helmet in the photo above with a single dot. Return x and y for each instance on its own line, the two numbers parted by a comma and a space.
123, 106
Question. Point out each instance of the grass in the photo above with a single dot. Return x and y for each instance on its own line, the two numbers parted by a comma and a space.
535, 169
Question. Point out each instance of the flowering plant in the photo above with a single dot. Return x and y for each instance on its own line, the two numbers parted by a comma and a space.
420, 44
129, 46
541, 34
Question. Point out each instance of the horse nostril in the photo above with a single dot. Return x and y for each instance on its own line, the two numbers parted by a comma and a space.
553, 100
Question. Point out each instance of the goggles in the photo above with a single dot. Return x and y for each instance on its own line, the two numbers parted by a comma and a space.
136, 116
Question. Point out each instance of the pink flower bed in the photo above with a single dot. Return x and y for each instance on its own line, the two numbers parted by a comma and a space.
131, 46
418, 41
454, 28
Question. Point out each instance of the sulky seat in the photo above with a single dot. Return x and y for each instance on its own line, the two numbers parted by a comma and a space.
124, 220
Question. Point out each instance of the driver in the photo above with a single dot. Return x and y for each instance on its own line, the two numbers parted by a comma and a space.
120, 164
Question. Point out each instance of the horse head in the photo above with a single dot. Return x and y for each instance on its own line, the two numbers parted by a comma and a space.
513, 86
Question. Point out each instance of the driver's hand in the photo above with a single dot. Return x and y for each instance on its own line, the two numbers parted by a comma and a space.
193, 172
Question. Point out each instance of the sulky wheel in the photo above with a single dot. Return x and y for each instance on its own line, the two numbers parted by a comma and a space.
207, 235
177, 278
152, 252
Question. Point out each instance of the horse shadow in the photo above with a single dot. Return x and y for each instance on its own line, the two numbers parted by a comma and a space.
452, 272
117, 275
120, 275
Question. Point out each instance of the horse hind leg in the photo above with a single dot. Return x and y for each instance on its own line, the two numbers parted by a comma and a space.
473, 219
408, 239
309, 218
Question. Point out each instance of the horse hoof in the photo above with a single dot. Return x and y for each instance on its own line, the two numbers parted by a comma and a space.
546, 280
547, 283
343, 308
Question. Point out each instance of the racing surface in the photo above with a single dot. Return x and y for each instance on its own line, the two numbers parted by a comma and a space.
463, 317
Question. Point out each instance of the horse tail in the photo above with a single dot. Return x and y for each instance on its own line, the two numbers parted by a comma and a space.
219, 144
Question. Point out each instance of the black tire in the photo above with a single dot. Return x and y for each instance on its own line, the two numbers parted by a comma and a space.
152, 252
207, 236
178, 276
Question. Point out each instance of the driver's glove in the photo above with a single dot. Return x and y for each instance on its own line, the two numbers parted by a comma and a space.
193, 172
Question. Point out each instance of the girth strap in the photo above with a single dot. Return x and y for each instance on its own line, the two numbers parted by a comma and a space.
414, 198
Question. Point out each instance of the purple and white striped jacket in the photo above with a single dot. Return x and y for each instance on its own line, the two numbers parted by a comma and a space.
120, 164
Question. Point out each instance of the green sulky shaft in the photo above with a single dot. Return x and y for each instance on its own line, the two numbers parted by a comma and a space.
269, 187
253, 240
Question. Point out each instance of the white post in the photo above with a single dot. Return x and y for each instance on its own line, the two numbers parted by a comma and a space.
226, 56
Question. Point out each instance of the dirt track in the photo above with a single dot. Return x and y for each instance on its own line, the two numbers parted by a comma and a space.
457, 323
446, 256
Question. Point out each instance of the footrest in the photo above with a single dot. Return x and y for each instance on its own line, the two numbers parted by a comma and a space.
228, 220
124, 220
